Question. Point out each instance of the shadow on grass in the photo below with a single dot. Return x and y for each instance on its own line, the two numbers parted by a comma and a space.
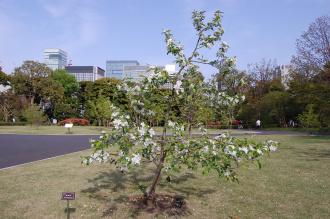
107, 183
314, 154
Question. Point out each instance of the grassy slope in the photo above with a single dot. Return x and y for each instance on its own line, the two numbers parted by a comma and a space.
293, 183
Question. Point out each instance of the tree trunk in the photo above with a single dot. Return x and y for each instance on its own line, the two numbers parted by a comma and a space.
189, 129
150, 194
32, 100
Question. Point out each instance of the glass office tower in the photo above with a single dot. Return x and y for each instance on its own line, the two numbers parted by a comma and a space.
115, 68
55, 58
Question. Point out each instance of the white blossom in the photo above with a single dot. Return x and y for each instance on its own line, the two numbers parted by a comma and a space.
95, 155
99, 159
244, 149
171, 124
136, 159
114, 114
120, 123
121, 153
272, 148
251, 148
117, 123
259, 151
142, 130
205, 149
106, 156
124, 169
132, 137
152, 132
148, 142
223, 135
230, 150
177, 87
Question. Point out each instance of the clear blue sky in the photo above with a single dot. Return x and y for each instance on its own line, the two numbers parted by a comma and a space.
93, 31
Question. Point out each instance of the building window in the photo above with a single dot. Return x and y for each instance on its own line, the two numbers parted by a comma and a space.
117, 71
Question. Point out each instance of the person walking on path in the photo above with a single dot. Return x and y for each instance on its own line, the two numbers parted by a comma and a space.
258, 124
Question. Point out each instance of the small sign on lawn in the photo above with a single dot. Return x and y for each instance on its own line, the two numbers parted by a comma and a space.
68, 196
68, 126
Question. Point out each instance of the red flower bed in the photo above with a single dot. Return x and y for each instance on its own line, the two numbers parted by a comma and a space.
75, 121
213, 124
236, 122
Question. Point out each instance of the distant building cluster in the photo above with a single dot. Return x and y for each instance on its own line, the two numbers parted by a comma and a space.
120, 69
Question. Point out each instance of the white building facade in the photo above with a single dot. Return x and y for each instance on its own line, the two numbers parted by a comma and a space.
55, 58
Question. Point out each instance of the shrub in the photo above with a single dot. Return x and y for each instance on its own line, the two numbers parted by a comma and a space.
309, 119
34, 115
75, 121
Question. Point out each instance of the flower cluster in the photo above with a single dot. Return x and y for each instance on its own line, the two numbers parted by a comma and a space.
175, 48
221, 99
178, 87
178, 130
219, 153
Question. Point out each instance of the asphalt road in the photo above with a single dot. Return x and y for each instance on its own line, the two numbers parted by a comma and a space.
19, 149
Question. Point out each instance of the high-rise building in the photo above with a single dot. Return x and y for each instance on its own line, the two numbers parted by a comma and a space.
55, 58
131, 69
85, 73
285, 75
136, 72
115, 68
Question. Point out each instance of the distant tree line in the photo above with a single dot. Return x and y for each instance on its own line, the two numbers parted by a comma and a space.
300, 99
35, 87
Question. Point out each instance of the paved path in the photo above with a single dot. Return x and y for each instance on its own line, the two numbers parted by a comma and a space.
19, 149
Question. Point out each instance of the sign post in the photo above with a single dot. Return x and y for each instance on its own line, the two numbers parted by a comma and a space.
68, 126
68, 196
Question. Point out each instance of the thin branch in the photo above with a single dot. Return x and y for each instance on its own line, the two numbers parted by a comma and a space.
201, 62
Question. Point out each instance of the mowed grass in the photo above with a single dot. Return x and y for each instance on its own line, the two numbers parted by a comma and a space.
293, 183
56, 130
89, 130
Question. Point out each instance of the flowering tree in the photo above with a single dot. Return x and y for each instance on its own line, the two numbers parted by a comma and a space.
185, 96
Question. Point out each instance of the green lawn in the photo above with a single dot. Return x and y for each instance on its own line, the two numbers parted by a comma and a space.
298, 129
293, 183
60, 130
